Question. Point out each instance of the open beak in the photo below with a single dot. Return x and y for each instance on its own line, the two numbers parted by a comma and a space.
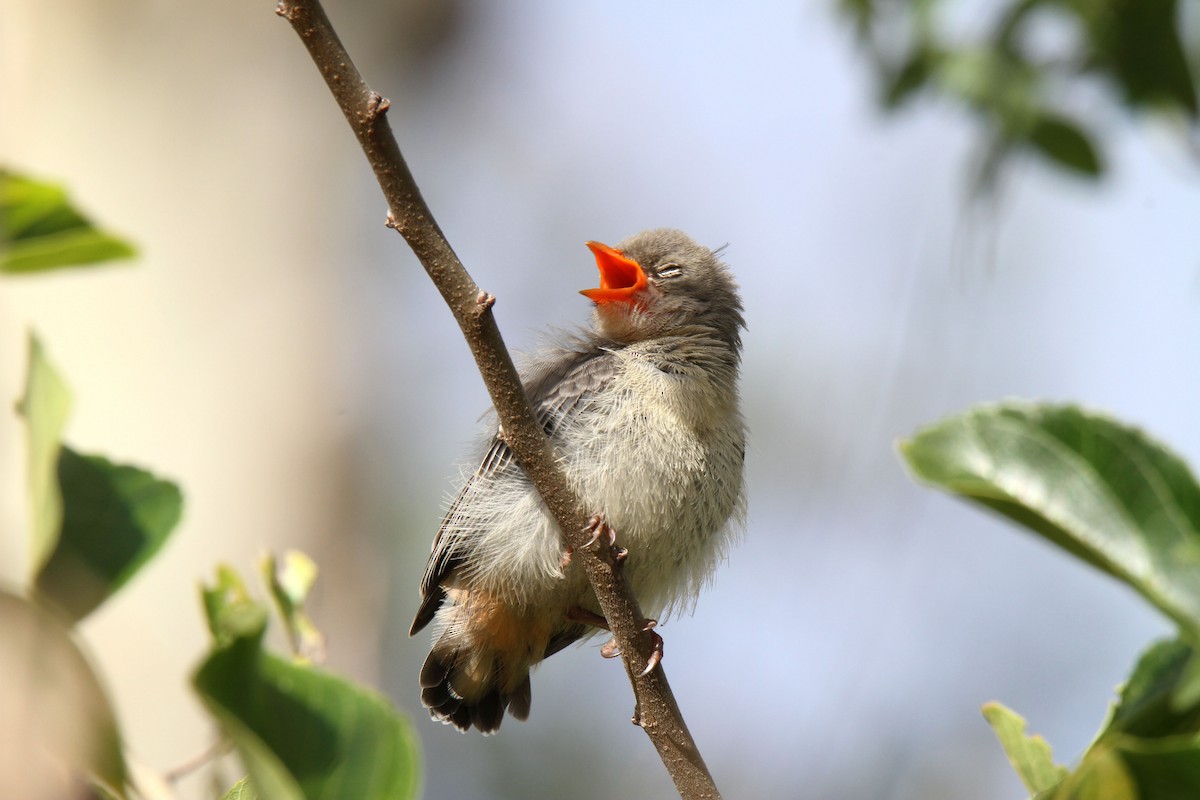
621, 278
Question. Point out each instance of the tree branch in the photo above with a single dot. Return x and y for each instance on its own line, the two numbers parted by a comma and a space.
656, 710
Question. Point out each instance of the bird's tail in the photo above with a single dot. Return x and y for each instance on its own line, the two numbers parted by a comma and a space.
465, 686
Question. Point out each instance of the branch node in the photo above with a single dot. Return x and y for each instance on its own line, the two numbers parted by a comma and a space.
391, 221
484, 303
377, 106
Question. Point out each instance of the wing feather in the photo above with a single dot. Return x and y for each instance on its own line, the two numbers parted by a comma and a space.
557, 383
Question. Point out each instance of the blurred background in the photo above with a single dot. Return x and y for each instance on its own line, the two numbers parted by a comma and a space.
279, 353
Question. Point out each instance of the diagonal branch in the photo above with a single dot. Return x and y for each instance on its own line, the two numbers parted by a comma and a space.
656, 711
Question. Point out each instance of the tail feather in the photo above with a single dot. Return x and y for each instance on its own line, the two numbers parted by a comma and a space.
466, 692
518, 701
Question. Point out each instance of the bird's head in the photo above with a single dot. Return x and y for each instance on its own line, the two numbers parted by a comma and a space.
661, 283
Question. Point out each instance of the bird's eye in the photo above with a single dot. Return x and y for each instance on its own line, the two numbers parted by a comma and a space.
670, 271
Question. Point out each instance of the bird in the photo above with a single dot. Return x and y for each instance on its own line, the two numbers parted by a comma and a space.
642, 412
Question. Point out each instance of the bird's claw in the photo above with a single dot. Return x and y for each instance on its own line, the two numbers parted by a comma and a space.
656, 654
598, 527
610, 648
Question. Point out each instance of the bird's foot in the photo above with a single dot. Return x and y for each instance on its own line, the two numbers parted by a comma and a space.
610, 648
656, 651
580, 614
599, 528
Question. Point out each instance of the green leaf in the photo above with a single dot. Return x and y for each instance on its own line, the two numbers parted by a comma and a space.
290, 583
1128, 768
1148, 705
1030, 756
56, 722
996, 84
912, 76
1163, 769
1148, 747
1103, 775
861, 13
1099, 489
242, 790
303, 732
115, 518
41, 230
1066, 144
1137, 44
232, 614
45, 407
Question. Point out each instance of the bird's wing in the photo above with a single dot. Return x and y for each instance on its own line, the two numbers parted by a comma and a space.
557, 385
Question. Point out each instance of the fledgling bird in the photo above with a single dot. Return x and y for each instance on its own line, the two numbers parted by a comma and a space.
642, 411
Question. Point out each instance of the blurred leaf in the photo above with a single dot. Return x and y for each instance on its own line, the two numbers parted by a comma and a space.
41, 230
302, 732
1148, 705
45, 407
1020, 82
1163, 769
909, 78
100, 792
115, 518
1101, 490
1065, 143
231, 613
1102, 776
1013, 20
290, 583
1138, 40
992, 157
1148, 749
1030, 756
57, 730
861, 14
994, 83
242, 790
1186, 693
1127, 768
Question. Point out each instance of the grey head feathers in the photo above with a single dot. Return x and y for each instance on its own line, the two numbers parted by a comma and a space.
690, 288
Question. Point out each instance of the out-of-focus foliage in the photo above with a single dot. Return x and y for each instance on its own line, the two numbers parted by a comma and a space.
1103, 491
115, 518
41, 230
1041, 74
290, 579
95, 523
302, 733
46, 405
1029, 755
1127, 505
